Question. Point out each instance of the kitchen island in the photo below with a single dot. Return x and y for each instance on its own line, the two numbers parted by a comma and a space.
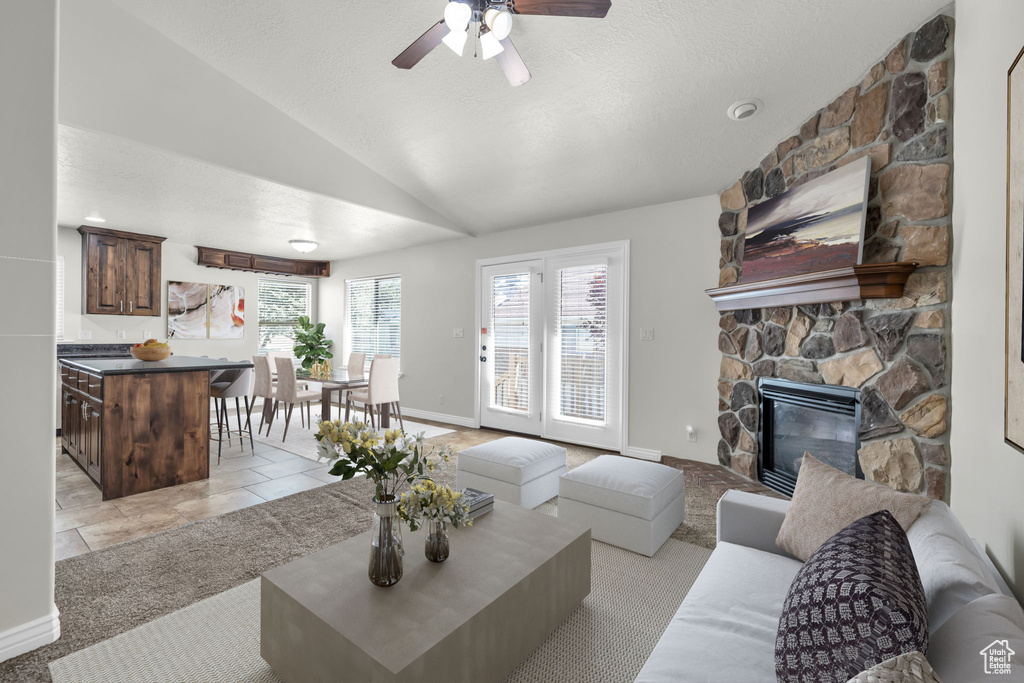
137, 426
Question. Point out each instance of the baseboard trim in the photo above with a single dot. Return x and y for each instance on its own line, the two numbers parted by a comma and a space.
643, 453
27, 637
438, 417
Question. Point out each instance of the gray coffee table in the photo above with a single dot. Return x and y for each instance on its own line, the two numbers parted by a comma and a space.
511, 579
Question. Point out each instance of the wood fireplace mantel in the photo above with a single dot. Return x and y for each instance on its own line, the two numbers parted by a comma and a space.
870, 281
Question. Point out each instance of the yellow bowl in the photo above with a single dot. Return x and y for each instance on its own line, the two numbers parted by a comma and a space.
151, 353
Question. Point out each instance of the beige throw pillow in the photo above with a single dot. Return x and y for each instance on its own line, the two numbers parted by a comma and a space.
826, 500
911, 667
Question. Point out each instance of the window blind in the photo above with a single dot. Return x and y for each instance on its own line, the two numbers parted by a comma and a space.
510, 333
582, 342
375, 316
279, 307
60, 298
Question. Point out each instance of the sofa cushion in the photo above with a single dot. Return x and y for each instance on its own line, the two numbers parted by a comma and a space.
826, 500
856, 602
724, 632
633, 487
512, 459
952, 573
957, 645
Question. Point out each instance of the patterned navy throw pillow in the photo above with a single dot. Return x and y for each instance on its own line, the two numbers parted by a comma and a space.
856, 602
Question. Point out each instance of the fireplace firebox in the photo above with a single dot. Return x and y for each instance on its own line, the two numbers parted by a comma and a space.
819, 419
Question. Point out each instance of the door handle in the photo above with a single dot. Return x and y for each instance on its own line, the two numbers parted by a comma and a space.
131, 306
483, 359
67, 399
122, 307
85, 410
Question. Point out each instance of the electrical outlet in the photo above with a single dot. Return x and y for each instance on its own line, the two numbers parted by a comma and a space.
458, 333
440, 399
148, 334
646, 334
691, 433
121, 334
85, 334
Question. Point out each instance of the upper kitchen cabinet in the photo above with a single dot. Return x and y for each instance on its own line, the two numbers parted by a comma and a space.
120, 272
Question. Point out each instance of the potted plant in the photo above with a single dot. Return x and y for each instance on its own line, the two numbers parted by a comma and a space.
391, 463
313, 348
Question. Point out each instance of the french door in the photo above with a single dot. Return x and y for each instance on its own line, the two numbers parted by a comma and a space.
552, 346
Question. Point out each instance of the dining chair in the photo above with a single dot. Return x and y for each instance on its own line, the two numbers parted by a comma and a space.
381, 389
289, 394
264, 388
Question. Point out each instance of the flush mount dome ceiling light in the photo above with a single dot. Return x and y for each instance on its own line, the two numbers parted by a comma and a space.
494, 19
95, 219
305, 246
744, 109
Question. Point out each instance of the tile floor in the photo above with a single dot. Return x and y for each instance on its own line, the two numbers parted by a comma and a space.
84, 522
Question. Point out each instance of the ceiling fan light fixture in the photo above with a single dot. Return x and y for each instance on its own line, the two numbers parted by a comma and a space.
456, 40
499, 21
457, 15
490, 45
304, 246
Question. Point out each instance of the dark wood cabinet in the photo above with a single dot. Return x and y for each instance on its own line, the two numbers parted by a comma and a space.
81, 419
121, 272
254, 263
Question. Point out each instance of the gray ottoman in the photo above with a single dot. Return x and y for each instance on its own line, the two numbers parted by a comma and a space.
519, 471
632, 504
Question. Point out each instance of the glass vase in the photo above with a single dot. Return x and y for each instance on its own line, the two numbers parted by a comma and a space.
386, 545
437, 546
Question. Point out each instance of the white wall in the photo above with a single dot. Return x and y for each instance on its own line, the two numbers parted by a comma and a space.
178, 264
28, 128
987, 474
674, 257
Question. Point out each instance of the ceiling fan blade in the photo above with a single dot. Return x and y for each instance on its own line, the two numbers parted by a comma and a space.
422, 46
512, 64
596, 9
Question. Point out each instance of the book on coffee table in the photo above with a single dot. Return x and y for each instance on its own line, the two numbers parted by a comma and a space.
477, 499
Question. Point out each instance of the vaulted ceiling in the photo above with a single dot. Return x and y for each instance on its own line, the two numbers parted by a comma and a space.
621, 112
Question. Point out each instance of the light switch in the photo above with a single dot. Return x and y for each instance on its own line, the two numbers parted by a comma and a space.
148, 334
458, 333
85, 334
121, 334
691, 433
646, 334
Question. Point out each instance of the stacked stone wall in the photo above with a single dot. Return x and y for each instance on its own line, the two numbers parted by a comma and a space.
896, 351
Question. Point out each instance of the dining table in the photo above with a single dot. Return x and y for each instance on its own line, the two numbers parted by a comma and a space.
340, 382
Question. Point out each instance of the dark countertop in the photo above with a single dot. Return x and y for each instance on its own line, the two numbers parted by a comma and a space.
130, 366
94, 350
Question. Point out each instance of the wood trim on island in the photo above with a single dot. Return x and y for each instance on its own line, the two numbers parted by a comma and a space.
869, 281
255, 263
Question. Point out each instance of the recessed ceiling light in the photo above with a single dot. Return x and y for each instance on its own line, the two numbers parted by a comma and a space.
744, 109
305, 246
96, 219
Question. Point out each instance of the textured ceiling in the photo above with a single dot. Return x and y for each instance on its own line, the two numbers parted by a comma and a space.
147, 190
621, 112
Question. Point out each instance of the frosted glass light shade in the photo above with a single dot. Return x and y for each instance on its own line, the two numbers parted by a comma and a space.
489, 45
500, 23
456, 40
457, 15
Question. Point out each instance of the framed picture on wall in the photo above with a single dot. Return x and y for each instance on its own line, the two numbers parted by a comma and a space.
196, 310
1014, 398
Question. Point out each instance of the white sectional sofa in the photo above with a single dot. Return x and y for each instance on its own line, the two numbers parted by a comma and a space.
724, 632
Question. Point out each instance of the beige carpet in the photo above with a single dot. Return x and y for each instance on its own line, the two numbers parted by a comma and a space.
104, 593
608, 638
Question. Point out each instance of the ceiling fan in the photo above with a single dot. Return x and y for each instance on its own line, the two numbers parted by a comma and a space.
495, 23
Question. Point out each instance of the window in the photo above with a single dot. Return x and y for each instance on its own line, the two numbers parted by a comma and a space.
279, 308
582, 337
60, 298
375, 316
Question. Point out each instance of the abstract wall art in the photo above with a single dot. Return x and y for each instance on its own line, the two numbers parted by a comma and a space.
196, 310
812, 227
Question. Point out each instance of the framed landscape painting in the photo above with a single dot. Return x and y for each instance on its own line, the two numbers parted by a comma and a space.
812, 227
1014, 395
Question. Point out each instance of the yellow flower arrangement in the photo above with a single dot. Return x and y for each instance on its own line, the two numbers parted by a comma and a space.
391, 463
430, 501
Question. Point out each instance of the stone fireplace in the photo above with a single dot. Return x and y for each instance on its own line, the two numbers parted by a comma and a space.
798, 418
894, 352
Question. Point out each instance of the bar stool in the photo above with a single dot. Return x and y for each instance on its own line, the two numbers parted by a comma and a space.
234, 384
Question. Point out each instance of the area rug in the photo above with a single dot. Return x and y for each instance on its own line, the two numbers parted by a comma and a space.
107, 592
608, 638
301, 441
